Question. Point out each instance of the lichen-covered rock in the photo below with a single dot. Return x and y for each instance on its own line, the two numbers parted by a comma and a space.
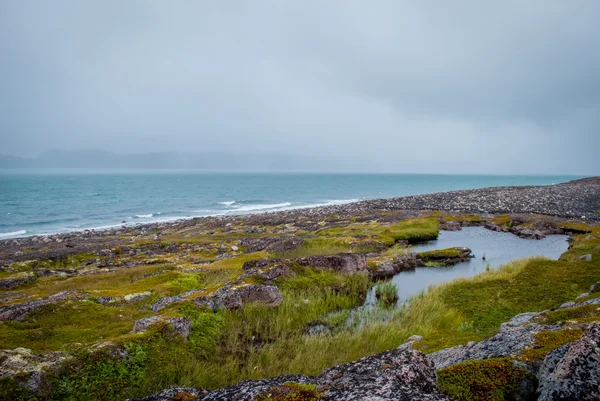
233, 298
402, 374
180, 325
19, 311
388, 267
346, 263
28, 369
573, 372
513, 337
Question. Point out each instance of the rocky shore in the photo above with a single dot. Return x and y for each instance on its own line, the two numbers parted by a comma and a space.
578, 200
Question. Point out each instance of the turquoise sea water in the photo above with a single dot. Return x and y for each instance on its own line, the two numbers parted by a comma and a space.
47, 202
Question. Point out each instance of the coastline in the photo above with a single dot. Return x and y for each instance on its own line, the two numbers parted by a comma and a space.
577, 199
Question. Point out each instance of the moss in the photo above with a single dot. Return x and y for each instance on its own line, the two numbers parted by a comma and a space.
581, 314
291, 392
546, 341
486, 380
58, 327
503, 220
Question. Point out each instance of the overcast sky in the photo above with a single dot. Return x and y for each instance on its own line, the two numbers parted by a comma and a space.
407, 86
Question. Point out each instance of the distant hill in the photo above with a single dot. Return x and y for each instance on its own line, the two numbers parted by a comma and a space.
215, 161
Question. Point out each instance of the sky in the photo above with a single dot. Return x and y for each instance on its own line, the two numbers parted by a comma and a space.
507, 87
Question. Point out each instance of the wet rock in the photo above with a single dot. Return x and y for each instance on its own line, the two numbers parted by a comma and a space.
180, 325
573, 372
587, 257
381, 269
400, 375
16, 280
19, 311
450, 226
529, 234
28, 369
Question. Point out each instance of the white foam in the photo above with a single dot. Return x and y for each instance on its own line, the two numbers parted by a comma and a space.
249, 208
228, 203
13, 234
144, 216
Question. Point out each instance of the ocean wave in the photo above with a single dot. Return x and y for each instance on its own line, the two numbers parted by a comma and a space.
13, 234
250, 208
143, 216
228, 203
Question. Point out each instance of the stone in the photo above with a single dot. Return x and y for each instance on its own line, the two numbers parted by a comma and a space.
233, 298
28, 369
346, 263
587, 257
594, 287
234, 248
180, 325
167, 301
136, 296
572, 372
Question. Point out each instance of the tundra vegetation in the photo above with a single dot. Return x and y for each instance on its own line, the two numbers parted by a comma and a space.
181, 272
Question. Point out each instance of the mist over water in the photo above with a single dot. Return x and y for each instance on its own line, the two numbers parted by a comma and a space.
38, 202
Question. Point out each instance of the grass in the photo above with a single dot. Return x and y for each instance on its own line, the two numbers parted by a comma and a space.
258, 341
411, 230
386, 293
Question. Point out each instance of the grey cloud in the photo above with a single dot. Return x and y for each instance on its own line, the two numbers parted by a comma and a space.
433, 86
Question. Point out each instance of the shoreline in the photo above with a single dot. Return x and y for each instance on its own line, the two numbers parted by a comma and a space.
577, 199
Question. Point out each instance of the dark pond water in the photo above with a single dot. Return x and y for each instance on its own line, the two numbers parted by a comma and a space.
498, 248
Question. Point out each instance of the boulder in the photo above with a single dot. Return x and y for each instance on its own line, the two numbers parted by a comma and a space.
346, 263
28, 369
180, 325
572, 372
233, 298
587, 257
177, 299
19, 311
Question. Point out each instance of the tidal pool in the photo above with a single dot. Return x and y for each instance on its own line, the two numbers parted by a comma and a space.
499, 248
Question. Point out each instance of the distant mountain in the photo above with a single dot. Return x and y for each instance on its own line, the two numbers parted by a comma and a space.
214, 161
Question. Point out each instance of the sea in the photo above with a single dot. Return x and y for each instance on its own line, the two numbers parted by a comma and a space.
43, 202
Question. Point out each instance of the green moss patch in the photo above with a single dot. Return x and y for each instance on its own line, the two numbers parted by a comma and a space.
291, 392
487, 380
546, 341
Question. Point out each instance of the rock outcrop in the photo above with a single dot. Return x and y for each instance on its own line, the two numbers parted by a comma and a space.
234, 297
402, 374
572, 372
